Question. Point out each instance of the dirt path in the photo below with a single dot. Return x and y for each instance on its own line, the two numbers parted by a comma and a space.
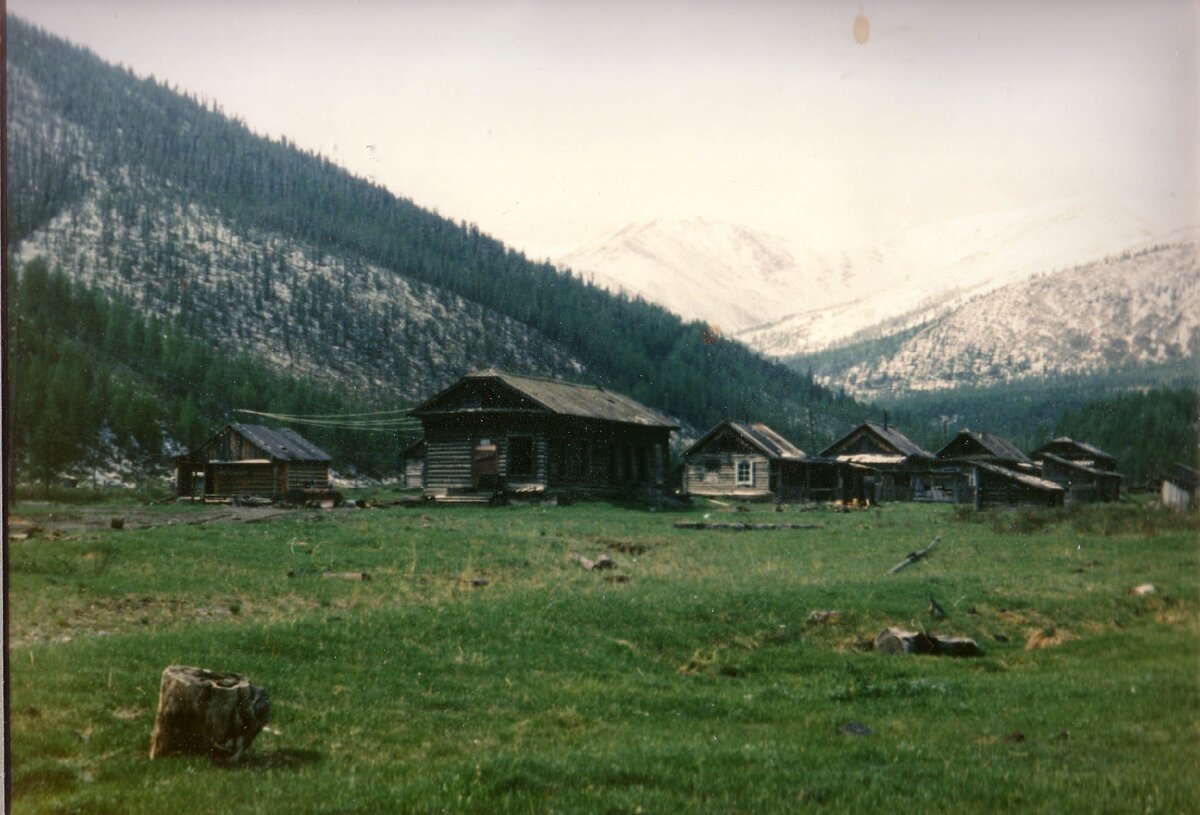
77, 519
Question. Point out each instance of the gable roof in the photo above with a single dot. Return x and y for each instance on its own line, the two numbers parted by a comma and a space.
770, 443
892, 437
281, 443
1081, 446
560, 398
998, 446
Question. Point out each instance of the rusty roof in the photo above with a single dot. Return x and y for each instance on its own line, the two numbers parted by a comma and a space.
773, 445
566, 399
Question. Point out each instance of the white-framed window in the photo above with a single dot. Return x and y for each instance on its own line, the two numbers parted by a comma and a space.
745, 473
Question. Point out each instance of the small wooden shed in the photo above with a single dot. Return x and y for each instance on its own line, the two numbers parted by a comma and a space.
1178, 490
878, 463
744, 460
496, 432
252, 460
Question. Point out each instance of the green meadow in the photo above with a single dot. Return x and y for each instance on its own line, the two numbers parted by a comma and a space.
481, 669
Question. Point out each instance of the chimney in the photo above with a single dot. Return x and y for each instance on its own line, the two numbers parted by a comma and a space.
885, 420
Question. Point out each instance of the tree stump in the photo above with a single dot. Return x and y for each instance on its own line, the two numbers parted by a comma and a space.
202, 712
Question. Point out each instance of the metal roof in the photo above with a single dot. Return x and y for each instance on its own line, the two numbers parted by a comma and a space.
567, 399
772, 444
281, 443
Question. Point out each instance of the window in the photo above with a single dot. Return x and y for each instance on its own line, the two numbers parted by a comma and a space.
745, 473
520, 455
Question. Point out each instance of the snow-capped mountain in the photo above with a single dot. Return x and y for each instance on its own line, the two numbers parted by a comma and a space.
702, 269
1139, 308
784, 298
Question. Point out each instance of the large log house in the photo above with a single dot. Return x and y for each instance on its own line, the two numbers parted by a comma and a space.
496, 432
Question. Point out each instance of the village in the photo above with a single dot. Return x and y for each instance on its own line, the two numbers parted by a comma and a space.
495, 436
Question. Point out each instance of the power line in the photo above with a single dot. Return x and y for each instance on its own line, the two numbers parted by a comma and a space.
343, 421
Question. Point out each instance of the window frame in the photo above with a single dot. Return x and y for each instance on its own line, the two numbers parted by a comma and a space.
748, 481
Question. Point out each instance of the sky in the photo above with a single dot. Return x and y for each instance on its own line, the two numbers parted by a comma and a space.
549, 124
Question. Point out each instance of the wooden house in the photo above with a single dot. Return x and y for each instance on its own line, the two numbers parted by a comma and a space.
412, 464
952, 476
876, 463
1084, 484
970, 446
252, 460
996, 486
497, 432
1178, 490
1079, 452
747, 461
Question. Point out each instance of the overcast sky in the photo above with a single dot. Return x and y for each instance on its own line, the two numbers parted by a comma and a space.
551, 123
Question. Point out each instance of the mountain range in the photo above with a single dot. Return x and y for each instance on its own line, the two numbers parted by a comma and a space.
939, 278
249, 247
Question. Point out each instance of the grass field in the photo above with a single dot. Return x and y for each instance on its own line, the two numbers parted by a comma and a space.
695, 686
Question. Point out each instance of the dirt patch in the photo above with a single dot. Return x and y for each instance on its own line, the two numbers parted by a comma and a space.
55, 526
1047, 638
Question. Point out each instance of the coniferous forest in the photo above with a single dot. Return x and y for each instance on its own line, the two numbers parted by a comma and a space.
64, 150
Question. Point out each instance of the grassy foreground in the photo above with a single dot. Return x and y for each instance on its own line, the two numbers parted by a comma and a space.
695, 686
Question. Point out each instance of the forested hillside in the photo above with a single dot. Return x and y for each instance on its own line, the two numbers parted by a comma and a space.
248, 245
102, 388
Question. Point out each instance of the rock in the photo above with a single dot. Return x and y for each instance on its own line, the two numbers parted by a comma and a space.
346, 575
202, 712
817, 617
853, 728
602, 562
899, 641
1144, 590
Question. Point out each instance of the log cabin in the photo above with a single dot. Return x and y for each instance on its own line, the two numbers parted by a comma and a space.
493, 432
253, 460
1078, 451
877, 463
952, 476
747, 461
1083, 483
